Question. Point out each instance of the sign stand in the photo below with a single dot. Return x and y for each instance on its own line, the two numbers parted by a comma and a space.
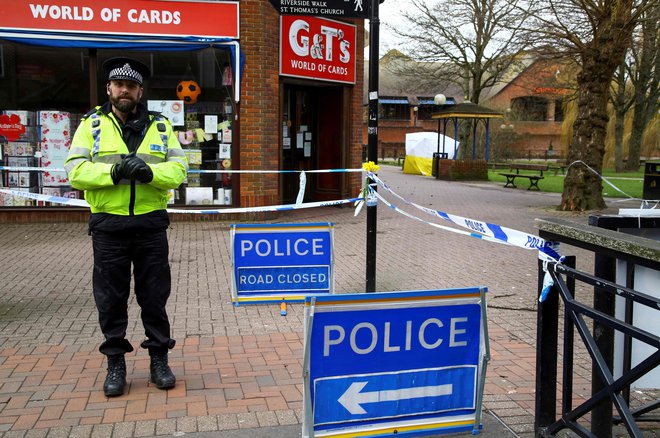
408, 363
308, 411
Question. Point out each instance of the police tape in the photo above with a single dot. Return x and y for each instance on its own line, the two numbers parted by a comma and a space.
487, 231
433, 224
299, 197
73, 202
281, 207
58, 169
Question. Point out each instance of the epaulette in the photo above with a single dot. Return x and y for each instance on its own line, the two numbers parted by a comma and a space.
157, 115
90, 112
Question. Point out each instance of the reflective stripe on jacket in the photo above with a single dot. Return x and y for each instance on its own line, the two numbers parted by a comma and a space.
98, 144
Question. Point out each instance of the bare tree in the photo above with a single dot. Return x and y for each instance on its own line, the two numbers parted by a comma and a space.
597, 33
645, 77
622, 100
467, 42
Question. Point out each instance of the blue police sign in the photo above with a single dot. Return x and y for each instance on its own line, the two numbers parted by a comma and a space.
281, 262
394, 362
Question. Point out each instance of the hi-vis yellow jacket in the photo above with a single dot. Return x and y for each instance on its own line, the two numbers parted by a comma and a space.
98, 144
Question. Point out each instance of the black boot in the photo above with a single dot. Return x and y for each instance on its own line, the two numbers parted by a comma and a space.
115, 381
161, 374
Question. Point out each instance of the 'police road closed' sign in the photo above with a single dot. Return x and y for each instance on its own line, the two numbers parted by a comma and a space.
281, 262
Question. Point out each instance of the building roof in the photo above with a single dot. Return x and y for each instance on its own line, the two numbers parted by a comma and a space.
466, 110
393, 85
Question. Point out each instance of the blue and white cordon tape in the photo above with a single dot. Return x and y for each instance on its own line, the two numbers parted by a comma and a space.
283, 207
485, 230
72, 202
547, 251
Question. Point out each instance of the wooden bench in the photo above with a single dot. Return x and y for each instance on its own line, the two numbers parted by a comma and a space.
559, 166
533, 179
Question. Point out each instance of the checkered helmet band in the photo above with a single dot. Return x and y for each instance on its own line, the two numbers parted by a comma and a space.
125, 72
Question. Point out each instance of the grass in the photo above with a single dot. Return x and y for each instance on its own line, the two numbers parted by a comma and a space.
628, 182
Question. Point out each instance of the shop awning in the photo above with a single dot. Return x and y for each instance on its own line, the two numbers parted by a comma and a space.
126, 42
450, 101
394, 101
466, 110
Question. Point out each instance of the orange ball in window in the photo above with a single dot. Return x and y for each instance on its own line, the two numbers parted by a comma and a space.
188, 91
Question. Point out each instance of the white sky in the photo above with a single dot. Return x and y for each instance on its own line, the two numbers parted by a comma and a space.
389, 12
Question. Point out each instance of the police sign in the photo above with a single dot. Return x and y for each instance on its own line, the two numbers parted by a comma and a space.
395, 362
281, 262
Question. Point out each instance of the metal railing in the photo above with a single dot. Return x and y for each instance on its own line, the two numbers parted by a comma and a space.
596, 326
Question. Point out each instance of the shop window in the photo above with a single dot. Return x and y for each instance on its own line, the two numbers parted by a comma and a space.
393, 108
425, 112
559, 110
427, 107
49, 90
530, 108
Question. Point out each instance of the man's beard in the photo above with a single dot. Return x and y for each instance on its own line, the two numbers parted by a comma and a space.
125, 105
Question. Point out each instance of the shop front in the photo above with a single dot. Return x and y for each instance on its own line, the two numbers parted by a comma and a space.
51, 55
231, 111
317, 61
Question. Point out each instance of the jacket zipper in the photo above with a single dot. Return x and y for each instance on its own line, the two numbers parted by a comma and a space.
131, 201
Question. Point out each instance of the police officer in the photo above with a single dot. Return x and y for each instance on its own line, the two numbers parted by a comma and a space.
126, 159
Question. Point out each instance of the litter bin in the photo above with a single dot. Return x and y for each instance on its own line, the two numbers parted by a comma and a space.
437, 156
651, 181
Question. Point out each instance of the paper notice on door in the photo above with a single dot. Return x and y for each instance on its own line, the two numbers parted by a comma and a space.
224, 151
308, 149
211, 124
299, 140
286, 143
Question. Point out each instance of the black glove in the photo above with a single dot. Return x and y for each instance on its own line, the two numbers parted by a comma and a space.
134, 167
118, 171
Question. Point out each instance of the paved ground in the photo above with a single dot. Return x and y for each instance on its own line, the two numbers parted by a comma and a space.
239, 368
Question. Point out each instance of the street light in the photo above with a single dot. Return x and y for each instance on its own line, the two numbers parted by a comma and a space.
504, 126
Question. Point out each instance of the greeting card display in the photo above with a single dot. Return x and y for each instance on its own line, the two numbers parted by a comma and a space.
55, 127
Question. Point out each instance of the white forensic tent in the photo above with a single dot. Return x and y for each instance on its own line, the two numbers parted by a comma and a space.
420, 147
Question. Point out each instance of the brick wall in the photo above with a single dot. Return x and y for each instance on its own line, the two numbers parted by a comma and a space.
259, 107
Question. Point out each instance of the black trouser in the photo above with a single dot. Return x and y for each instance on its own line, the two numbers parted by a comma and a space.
113, 255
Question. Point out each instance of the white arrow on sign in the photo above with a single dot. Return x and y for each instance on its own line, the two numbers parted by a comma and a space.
353, 399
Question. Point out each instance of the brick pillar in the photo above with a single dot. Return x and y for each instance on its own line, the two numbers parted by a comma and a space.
552, 104
260, 101
356, 117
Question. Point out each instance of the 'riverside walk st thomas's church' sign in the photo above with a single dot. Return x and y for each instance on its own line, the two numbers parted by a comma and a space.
324, 8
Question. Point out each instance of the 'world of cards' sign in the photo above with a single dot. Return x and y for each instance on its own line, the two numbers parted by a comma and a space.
281, 262
317, 48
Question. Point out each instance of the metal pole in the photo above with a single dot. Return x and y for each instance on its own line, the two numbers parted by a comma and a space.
547, 324
601, 415
372, 147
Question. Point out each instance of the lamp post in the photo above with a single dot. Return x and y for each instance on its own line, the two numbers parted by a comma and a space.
508, 132
372, 146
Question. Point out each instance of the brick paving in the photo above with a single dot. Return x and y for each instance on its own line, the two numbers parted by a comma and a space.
240, 367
